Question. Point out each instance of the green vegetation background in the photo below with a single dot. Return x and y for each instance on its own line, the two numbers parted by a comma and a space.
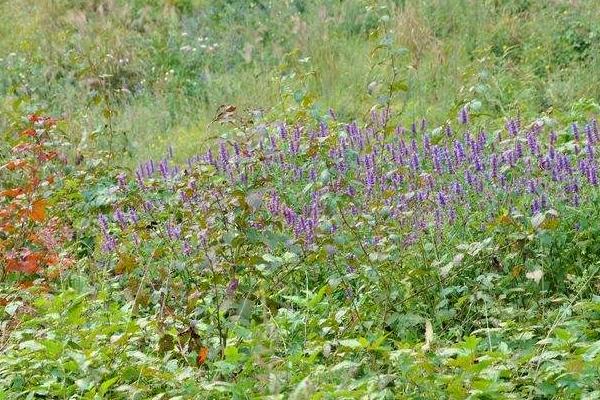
158, 70
142, 75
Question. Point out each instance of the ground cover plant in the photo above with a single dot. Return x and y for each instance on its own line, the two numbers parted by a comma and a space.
383, 228
332, 260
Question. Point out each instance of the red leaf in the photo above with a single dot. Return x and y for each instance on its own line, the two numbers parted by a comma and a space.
34, 118
202, 355
14, 164
12, 192
28, 263
29, 132
38, 210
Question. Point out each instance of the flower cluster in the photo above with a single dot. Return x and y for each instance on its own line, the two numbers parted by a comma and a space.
419, 179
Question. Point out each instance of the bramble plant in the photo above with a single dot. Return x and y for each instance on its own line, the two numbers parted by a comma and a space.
32, 234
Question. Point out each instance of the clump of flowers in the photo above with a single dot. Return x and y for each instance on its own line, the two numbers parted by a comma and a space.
313, 183
421, 179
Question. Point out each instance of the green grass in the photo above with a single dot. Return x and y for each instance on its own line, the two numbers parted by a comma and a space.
165, 82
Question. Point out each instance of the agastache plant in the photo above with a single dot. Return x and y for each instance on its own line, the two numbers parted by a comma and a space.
419, 182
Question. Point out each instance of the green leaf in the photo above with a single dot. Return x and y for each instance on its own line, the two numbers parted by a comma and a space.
351, 343
399, 86
105, 386
231, 353
592, 351
318, 297
12, 307
32, 345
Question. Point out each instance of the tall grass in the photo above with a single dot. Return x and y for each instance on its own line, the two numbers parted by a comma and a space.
163, 68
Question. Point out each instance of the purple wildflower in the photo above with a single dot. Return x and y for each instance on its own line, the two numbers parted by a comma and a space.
232, 286
536, 207
415, 162
186, 248
463, 116
163, 167
223, 154
109, 244
103, 222
442, 199
120, 218
513, 126
133, 216
173, 231
121, 181
575, 131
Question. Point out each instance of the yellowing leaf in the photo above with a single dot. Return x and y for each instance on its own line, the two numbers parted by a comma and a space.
38, 210
516, 271
126, 264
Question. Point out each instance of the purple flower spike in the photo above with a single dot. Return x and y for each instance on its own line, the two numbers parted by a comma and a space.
120, 218
589, 149
415, 163
442, 199
532, 143
223, 154
148, 206
121, 181
463, 115
173, 231
536, 207
494, 166
232, 286
575, 130
186, 248
163, 167
459, 152
133, 216
592, 174
282, 131
448, 130
109, 244
140, 180
512, 126
103, 222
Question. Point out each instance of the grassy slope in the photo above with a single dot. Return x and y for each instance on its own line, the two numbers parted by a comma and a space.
165, 81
